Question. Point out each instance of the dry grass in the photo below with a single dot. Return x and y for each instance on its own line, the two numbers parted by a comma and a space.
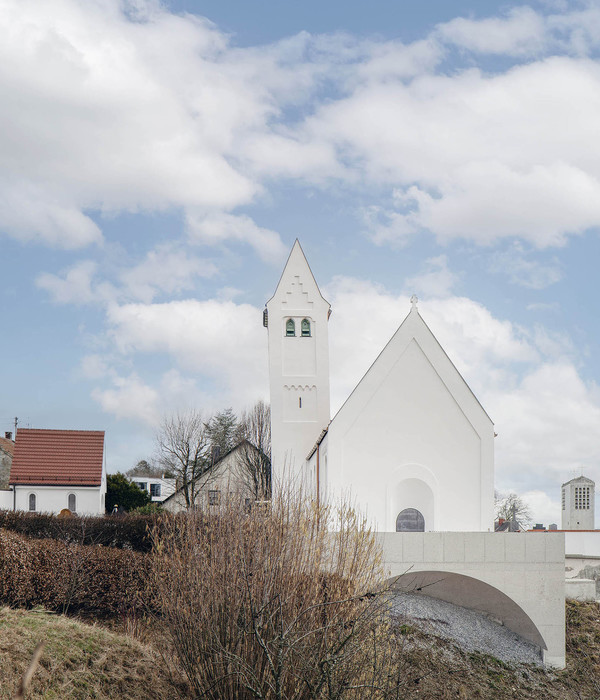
78, 660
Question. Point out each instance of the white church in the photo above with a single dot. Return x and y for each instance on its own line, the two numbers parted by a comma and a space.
411, 446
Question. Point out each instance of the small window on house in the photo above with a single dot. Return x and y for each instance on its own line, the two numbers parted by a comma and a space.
290, 327
214, 498
142, 485
72, 503
32, 502
305, 328
155, 490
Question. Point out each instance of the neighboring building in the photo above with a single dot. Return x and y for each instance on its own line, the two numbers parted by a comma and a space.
7, 448
228, 477
158, 488
578, 504
411, 446
57, 469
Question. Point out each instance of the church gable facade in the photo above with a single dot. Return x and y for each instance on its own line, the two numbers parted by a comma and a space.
411, 446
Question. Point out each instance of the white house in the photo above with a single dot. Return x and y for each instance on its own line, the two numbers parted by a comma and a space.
411, 446
158, 488
53, 470
230, 477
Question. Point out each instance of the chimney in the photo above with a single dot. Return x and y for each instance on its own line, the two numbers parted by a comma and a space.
500, 521
8, 435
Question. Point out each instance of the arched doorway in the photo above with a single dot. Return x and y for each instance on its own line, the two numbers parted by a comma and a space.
410, 520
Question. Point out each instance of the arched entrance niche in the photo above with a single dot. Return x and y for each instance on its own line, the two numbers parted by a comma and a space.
410, 520
472, 593
412, 506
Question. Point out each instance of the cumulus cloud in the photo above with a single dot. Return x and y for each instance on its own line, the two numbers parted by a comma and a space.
217, 227
523, 269
436, 281
522, 32
74, 287
165, 269
221, 341
119, 106
128, 397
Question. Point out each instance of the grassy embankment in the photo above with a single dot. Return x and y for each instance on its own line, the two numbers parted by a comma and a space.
88, 661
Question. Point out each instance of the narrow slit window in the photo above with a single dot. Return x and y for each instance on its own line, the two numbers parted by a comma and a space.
299, 402
32, 502
305, 328
290, 327
72, 501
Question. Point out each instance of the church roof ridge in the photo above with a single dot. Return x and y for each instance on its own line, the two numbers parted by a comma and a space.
413, 311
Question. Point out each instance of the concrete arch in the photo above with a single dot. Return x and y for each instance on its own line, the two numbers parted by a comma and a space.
475, 594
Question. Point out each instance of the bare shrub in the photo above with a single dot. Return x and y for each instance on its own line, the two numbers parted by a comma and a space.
283, 602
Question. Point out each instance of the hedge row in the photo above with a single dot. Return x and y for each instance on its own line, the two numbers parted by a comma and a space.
68, 577
123, 532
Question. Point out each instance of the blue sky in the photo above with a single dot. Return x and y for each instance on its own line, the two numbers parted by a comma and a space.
157, 162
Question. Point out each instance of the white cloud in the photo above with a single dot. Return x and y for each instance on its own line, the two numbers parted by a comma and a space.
524, 270
165, 269
129, 398
521, 32
221, 341
437, 281
74, 288
216, 227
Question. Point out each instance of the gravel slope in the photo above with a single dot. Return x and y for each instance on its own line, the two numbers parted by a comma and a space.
471, 630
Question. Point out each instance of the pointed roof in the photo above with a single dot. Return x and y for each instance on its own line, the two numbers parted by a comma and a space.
297, 260
58, 457
414, 327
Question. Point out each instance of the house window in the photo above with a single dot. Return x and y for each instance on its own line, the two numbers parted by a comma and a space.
72, 501
305, 328
214, 497
142, 485
155, 490
32, 502
290, 327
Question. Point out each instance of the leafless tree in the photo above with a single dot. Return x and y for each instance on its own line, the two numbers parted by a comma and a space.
182, 446
284, 602
255, 452
513, 509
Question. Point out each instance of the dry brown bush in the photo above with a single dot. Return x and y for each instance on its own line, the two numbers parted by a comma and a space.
69, 577
283, 602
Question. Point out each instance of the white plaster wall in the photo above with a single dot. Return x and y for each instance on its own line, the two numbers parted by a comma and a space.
526, 567
6, 499
167, 486
52, 499
585, 544
413, 435
298, 368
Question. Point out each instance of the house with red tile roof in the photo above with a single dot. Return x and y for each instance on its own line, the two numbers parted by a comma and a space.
57, 469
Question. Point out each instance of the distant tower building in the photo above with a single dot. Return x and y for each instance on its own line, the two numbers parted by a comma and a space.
297, 317
578, 504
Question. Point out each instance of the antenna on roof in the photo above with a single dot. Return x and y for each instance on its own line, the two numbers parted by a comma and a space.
16, 423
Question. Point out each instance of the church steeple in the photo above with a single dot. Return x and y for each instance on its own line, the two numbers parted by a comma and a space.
296, 318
